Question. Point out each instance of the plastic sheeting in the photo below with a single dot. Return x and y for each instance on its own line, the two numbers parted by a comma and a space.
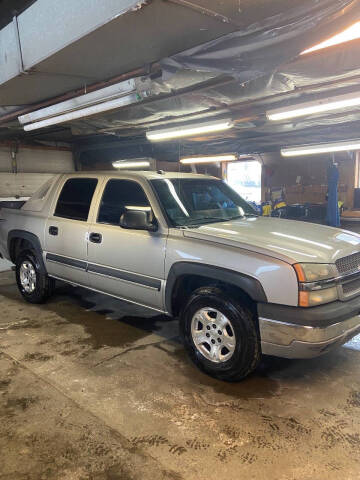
262, 47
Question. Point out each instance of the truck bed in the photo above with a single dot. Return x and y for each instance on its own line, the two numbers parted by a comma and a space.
13, 204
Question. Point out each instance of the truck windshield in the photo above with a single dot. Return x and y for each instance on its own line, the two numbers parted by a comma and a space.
192, 202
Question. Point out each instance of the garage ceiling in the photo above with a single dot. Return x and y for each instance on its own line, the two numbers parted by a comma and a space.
225, 65
66, 45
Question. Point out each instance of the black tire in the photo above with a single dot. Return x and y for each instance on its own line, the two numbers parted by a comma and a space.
44, 286
247, 352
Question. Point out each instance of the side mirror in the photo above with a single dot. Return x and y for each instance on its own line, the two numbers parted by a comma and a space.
137, 220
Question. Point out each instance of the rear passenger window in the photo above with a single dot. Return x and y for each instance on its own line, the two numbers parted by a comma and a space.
121, 195
75, 198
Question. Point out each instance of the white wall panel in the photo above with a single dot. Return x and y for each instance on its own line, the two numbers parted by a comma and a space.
44, 161
31, 160
21, 184
34, 166
5, 159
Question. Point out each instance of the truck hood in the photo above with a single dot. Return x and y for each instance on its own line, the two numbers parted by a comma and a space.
288, 240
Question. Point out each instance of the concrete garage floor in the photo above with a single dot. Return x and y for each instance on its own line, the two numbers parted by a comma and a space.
89, 392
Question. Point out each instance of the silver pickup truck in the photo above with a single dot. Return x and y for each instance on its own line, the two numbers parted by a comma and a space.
187, 245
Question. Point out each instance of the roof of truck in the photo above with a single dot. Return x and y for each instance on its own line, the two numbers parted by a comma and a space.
149, 174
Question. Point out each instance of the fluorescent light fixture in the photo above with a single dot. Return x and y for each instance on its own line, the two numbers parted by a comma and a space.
84, 112
351, 33
210, 159
319, 106
102, 100
188, 131
121, 164
321, 148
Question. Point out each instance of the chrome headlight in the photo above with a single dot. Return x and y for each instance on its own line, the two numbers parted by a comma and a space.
316, 283
314, 272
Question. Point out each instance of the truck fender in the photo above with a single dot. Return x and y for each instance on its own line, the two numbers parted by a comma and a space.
30, 237
251, 286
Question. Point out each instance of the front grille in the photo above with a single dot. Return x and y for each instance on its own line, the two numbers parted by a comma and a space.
348, 264
351, 288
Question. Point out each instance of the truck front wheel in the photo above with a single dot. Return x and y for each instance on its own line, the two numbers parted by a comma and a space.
220, 334
32, 280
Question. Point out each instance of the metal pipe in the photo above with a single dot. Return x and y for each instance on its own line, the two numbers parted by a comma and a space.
18, 45
205, 11
14, 148
10, 143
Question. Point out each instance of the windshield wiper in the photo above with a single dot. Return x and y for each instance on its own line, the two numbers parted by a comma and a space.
205, 220
199, 221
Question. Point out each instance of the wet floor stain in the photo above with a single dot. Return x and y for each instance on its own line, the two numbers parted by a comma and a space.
107, 321
37, 356
21, 403
117, 325
4, 383
100, 332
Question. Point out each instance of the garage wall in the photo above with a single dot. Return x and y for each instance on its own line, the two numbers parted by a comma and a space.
283, 172
37, 160
34, 167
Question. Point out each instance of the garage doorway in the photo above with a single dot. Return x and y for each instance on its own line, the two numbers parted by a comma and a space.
245, 178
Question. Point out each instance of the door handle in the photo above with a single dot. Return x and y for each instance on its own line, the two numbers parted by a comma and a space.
95, 237
53, 231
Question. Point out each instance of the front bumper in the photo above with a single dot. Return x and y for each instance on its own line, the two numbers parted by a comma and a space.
325, 327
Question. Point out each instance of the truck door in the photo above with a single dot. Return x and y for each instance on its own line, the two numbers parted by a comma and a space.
124, 262
66, 231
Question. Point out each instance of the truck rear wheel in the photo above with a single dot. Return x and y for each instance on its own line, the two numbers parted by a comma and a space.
220, 335
32, 280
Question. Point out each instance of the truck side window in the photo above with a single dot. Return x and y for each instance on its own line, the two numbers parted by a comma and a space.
75, 198
121, 195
